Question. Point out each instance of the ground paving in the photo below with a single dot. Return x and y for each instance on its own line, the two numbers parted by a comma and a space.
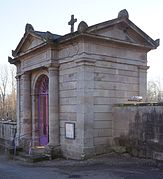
110, 166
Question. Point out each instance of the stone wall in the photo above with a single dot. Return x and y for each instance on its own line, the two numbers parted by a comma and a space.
90, 83
68, 105
113, 84
7, 131
139, 128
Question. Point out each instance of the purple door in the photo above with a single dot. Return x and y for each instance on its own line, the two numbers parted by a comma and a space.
43, 109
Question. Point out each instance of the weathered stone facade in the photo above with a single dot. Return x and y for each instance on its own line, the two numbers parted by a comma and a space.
88, 71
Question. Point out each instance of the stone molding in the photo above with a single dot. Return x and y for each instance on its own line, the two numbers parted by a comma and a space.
141, 67
88, 62
52, 66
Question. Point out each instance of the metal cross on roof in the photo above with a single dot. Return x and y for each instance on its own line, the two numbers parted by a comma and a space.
72, 22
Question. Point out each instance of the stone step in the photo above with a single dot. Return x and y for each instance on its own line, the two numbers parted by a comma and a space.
35, 154
36, 150
31, 158
12, 150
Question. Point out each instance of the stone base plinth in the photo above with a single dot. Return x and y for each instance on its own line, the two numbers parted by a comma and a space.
53, 151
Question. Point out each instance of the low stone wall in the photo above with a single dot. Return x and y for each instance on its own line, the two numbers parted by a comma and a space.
7, 132
139, 128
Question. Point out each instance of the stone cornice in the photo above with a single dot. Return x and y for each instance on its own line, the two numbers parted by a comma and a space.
30, 50
85, 61
52, 65
13, 61
116, 41
143, 67
76, 35
29, 71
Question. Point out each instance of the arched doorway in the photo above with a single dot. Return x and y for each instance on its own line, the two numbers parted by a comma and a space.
42, 109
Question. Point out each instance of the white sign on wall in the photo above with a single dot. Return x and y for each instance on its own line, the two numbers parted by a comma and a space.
70, 130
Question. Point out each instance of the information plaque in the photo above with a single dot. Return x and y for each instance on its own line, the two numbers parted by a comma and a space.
70, 130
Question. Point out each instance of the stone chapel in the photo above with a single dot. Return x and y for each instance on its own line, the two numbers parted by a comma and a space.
67, 85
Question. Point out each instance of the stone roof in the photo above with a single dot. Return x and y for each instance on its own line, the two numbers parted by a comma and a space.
44, 35
91, 31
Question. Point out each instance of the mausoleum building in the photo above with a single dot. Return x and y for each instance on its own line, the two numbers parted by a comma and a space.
67, 85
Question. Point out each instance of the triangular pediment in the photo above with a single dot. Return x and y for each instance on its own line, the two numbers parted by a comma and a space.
116, 33
123, 30
28, 43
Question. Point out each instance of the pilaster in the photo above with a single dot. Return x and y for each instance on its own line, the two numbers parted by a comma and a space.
53, 106
142, 71
26, 123
18, 122
85, 106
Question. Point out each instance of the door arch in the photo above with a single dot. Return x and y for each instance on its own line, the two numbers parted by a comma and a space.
42, 86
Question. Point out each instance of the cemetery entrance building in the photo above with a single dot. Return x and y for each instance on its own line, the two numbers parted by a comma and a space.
68, 84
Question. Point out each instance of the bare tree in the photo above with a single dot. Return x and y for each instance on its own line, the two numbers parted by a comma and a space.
7, 93
13, 93
154, 92
3, 88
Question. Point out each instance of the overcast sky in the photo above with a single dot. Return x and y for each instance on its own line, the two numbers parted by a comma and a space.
53, 16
